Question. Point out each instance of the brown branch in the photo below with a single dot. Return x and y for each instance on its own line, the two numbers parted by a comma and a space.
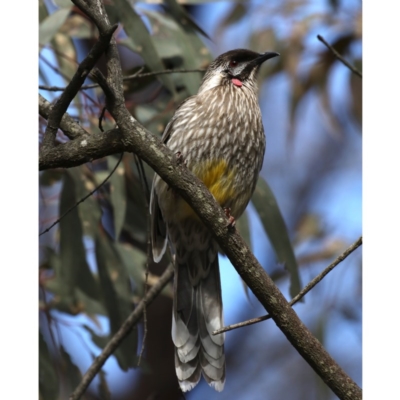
133, 137
339, 56
125, 78
83, 198
301, 294
124, 331
72, 89
67, 124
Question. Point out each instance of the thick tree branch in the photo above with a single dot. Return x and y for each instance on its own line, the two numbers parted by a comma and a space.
124, 331
133, 137
301, 294
67, 124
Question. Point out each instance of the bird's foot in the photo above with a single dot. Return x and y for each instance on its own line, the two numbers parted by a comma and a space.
231, 219
179, 158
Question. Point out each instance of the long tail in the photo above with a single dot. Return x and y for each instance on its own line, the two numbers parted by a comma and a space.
197, 313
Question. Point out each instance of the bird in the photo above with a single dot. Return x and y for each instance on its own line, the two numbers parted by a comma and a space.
220, 136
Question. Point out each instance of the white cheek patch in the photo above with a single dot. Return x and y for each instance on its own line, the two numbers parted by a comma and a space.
211, 83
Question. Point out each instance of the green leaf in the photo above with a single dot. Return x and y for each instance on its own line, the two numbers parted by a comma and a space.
117, 195
134, 261
89, 211
138, 33
136, 212
115, 286
42, 11
74, 267
265, 203
48, 380
70, 370
242, 225
183, 18
181, 46
99, 341
50, 25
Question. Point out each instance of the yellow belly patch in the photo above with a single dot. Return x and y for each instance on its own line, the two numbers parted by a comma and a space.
218, 179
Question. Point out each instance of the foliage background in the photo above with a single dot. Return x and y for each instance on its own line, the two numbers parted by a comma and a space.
92, 264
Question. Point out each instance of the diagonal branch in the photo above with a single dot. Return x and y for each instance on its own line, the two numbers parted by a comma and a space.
339, 57
124, 331
301, 294
67, 124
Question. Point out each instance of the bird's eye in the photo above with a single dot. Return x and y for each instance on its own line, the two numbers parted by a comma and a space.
233, 63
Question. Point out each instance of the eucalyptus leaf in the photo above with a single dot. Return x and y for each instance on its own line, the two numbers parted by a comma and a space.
134, 261
117, 195
242, 225
89, 211
265, 203
138, 33
99, 341
70, 370
48, 380
182, 47
116, 297
51, 24
74, 267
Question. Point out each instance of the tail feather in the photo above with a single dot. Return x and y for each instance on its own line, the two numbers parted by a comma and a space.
197, 313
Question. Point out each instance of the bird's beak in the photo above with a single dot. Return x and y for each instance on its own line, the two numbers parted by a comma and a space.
264, 57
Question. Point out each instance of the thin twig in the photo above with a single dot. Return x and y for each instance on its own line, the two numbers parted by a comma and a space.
301, 294
84, 198
125, 329
339, 57
146, 193
126, 78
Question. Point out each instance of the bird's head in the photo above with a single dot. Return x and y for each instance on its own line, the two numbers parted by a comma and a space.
236, 67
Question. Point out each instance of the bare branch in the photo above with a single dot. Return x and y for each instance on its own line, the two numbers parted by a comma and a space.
67, 124
132, 77
124, 331
339, 57
301, 294
84, 198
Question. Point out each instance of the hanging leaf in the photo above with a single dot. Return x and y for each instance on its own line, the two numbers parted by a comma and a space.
74, 267
136, 211
89, 211
138, 33
183, 18
265, 203
51, 24
99, 341
180, 45
117, 195
116, 297
48, 380
70, 370
242, 225
134, 262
